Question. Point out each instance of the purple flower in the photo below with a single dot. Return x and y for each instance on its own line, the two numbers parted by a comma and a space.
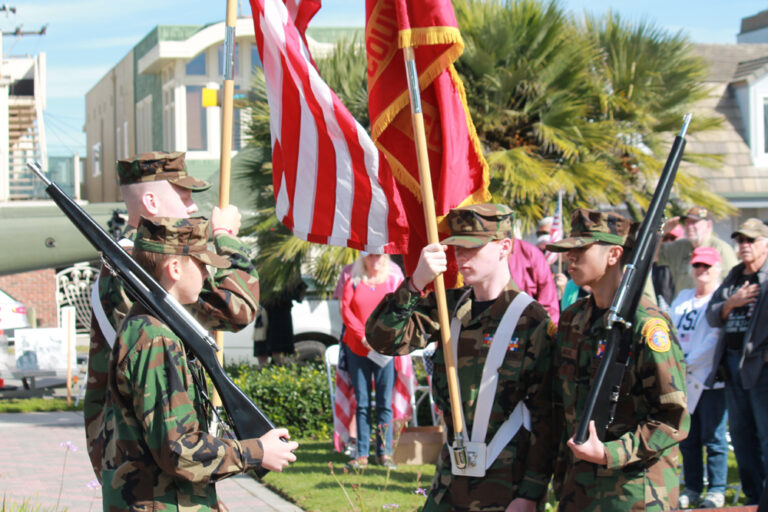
421, 490
94, 484
69, 446
390, 506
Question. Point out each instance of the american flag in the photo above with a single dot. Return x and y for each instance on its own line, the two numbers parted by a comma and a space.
329, 186
344, 406
556, 232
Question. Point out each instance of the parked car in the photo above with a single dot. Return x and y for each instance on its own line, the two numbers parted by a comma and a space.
13, 315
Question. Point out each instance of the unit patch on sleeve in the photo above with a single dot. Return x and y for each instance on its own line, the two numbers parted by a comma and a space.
656, 335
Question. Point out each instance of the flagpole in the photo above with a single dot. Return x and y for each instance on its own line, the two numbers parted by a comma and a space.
428, 202
226, 138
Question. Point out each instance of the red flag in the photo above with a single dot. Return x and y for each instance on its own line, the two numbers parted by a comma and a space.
329, 185
458, 169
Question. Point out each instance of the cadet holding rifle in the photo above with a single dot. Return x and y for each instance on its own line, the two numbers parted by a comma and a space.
158, 454
634, 467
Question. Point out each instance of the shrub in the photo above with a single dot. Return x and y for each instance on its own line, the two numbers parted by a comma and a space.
292, 396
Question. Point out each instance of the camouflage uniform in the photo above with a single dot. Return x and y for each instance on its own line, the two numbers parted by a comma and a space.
158, 454
406, 320
229, 299
651, 416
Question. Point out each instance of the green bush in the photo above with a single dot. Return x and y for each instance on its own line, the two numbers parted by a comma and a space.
292, 396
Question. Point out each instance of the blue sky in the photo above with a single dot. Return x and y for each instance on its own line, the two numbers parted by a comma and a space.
85, 38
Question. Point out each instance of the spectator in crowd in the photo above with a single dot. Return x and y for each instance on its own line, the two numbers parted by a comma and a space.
350, 444
543, 228
706, 404
739, 307
698, 231
530, 272
369, 281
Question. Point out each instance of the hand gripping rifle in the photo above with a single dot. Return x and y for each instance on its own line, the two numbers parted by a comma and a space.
604, 393
248, 421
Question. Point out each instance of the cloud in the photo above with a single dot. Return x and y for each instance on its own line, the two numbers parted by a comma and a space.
73, 81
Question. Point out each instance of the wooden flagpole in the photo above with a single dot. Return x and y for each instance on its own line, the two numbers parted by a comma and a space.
226, 137
428, 201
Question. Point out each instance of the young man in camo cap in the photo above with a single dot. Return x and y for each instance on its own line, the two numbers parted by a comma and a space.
158, 454
157, 184
513, 465
635, 466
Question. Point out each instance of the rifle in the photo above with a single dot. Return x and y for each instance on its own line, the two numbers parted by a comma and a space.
248, 421
604, 393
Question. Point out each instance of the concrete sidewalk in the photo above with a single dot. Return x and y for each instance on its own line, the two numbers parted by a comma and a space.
37, 465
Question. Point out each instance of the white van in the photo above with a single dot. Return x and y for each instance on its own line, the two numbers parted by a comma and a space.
317, 324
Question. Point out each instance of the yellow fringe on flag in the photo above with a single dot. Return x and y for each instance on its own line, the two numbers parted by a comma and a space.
428, 36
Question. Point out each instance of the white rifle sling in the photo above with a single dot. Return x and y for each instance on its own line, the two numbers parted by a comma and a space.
106, 328
479, 455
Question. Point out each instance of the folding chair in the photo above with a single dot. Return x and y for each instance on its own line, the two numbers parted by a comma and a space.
331, 360
423, 391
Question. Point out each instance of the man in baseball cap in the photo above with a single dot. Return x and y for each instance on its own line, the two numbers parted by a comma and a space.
698, 226
158, 166
653, 418
739, 308
481, 236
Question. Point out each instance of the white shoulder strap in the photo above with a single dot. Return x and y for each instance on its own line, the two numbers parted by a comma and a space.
490, 378
105, 326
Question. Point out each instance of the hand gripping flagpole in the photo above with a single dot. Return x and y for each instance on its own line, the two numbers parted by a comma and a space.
428, 201
226, 137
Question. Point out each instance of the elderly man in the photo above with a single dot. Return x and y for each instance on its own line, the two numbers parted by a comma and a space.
698, 231
739, 307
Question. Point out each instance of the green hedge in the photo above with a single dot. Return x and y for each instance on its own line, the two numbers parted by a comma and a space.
292, 396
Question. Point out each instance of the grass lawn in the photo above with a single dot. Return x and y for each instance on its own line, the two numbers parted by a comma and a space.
38, 405
314, 486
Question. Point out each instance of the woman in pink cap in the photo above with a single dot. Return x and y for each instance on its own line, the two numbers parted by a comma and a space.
706, 405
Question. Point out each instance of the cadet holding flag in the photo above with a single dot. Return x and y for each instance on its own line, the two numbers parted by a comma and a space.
498, 332
635, 466
158, 454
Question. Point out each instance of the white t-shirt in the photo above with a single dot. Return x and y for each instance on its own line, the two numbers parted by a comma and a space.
697, 339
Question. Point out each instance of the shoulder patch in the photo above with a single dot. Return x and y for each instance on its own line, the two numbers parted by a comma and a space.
656, 335
551, 329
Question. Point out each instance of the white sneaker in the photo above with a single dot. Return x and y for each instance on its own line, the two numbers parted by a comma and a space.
688, 499
713, 500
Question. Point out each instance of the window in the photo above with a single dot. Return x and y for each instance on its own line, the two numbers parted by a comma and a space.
126, 150
144, 125
255, 60
96, 160
765, 125
237, 142
169, 118
197, 133
197, 65
222, 51
118, 140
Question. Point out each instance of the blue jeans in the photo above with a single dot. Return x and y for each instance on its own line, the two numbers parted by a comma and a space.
707, 430
361, 369
748, 424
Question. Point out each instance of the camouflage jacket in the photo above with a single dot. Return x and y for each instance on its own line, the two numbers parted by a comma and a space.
228, 301
405, 321
158, 454
651, 416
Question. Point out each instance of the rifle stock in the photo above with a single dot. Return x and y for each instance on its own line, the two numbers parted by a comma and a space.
604, 394
247, 419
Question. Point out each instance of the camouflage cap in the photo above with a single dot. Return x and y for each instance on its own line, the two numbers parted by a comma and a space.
169, 235
476, 225
696, 213
157, 166
590, 226
752, 228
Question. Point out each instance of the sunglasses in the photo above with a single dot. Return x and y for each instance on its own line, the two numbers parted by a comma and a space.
741, 239
701, 265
